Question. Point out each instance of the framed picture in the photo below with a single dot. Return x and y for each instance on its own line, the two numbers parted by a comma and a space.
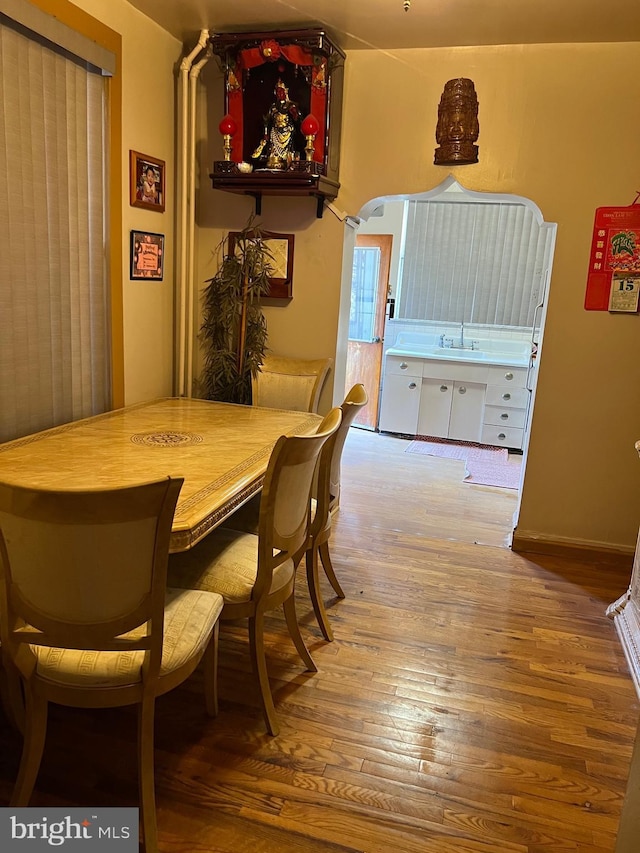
147, 256
146, 181
280, 247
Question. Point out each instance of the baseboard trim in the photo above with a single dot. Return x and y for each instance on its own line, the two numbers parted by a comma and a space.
593, 551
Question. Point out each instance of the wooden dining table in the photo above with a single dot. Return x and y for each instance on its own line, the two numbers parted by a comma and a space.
221, 449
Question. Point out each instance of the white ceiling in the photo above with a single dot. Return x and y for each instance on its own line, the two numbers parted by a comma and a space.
383, 24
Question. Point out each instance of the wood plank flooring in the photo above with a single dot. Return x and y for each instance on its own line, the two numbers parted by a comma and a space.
474, 700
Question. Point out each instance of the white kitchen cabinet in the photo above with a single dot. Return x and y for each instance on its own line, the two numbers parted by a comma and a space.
505, 407
435, 407
467, 405
400, 404
456, 399
451, 409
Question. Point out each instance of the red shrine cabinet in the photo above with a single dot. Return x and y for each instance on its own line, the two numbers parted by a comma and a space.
282, 114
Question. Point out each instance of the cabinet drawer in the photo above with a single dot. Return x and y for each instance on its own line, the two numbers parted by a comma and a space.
450, 370
399, 366
502, 436
515, 377
502, 416
507, 396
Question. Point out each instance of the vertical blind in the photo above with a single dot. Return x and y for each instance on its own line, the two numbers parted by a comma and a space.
54, 341
472, 263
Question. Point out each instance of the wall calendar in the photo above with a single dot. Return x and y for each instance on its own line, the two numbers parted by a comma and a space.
614, 262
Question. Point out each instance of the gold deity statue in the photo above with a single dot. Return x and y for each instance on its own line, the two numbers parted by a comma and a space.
278, 143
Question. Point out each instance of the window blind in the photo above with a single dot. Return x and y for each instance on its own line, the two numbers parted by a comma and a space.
472, 263
54, 358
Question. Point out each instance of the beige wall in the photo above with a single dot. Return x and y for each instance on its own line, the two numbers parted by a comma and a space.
148, 125
550, 131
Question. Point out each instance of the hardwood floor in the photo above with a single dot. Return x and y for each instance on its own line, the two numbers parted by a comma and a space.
474, 700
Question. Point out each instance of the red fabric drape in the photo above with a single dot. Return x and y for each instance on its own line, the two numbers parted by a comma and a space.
254, 56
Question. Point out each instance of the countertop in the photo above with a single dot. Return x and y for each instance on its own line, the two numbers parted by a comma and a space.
505, 359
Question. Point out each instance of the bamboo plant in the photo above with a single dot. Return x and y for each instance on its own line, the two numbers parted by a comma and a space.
234, 330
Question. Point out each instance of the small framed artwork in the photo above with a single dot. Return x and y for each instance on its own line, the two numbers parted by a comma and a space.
147, 256
146, 181
280, 247
624, 293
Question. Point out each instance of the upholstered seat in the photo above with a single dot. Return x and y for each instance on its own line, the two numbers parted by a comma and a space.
232, 566
188, 617
86, 618
255, 574
290, 383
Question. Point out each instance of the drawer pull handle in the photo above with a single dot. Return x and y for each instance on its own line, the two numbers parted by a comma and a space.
506, 396
403, 365
508, 376
462, 390
412, 385
444, 388
504, 416
501, 436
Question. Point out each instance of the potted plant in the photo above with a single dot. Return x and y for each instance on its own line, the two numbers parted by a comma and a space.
234, 330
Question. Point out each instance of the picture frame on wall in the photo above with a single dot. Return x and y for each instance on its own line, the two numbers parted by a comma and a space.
147, 256
147, 181
280, 247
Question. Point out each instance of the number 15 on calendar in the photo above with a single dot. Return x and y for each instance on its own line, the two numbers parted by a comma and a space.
625, 290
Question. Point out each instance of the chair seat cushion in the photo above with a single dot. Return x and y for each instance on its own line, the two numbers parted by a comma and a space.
226, 562
188, 621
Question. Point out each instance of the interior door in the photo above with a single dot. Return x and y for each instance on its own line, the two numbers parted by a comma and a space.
369, 291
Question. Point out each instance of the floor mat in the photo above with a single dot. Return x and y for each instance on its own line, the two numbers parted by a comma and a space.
486, 466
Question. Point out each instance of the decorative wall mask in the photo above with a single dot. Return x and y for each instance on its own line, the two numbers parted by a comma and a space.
458, 127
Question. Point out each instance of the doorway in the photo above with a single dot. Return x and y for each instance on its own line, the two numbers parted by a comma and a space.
369, 295
505, 242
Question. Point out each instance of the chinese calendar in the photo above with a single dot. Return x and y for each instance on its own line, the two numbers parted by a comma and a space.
615, 254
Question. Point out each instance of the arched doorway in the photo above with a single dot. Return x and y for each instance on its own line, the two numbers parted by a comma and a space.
467, 270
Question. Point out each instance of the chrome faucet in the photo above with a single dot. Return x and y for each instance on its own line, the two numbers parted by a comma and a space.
445, 342
461, 345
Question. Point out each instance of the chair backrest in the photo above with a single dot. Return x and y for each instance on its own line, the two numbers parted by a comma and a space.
326, 488
355, 400
283, 525
290, 383
82, 568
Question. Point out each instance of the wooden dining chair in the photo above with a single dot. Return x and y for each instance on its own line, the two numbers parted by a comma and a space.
326, 502
290, 383
255, 574
86, 619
